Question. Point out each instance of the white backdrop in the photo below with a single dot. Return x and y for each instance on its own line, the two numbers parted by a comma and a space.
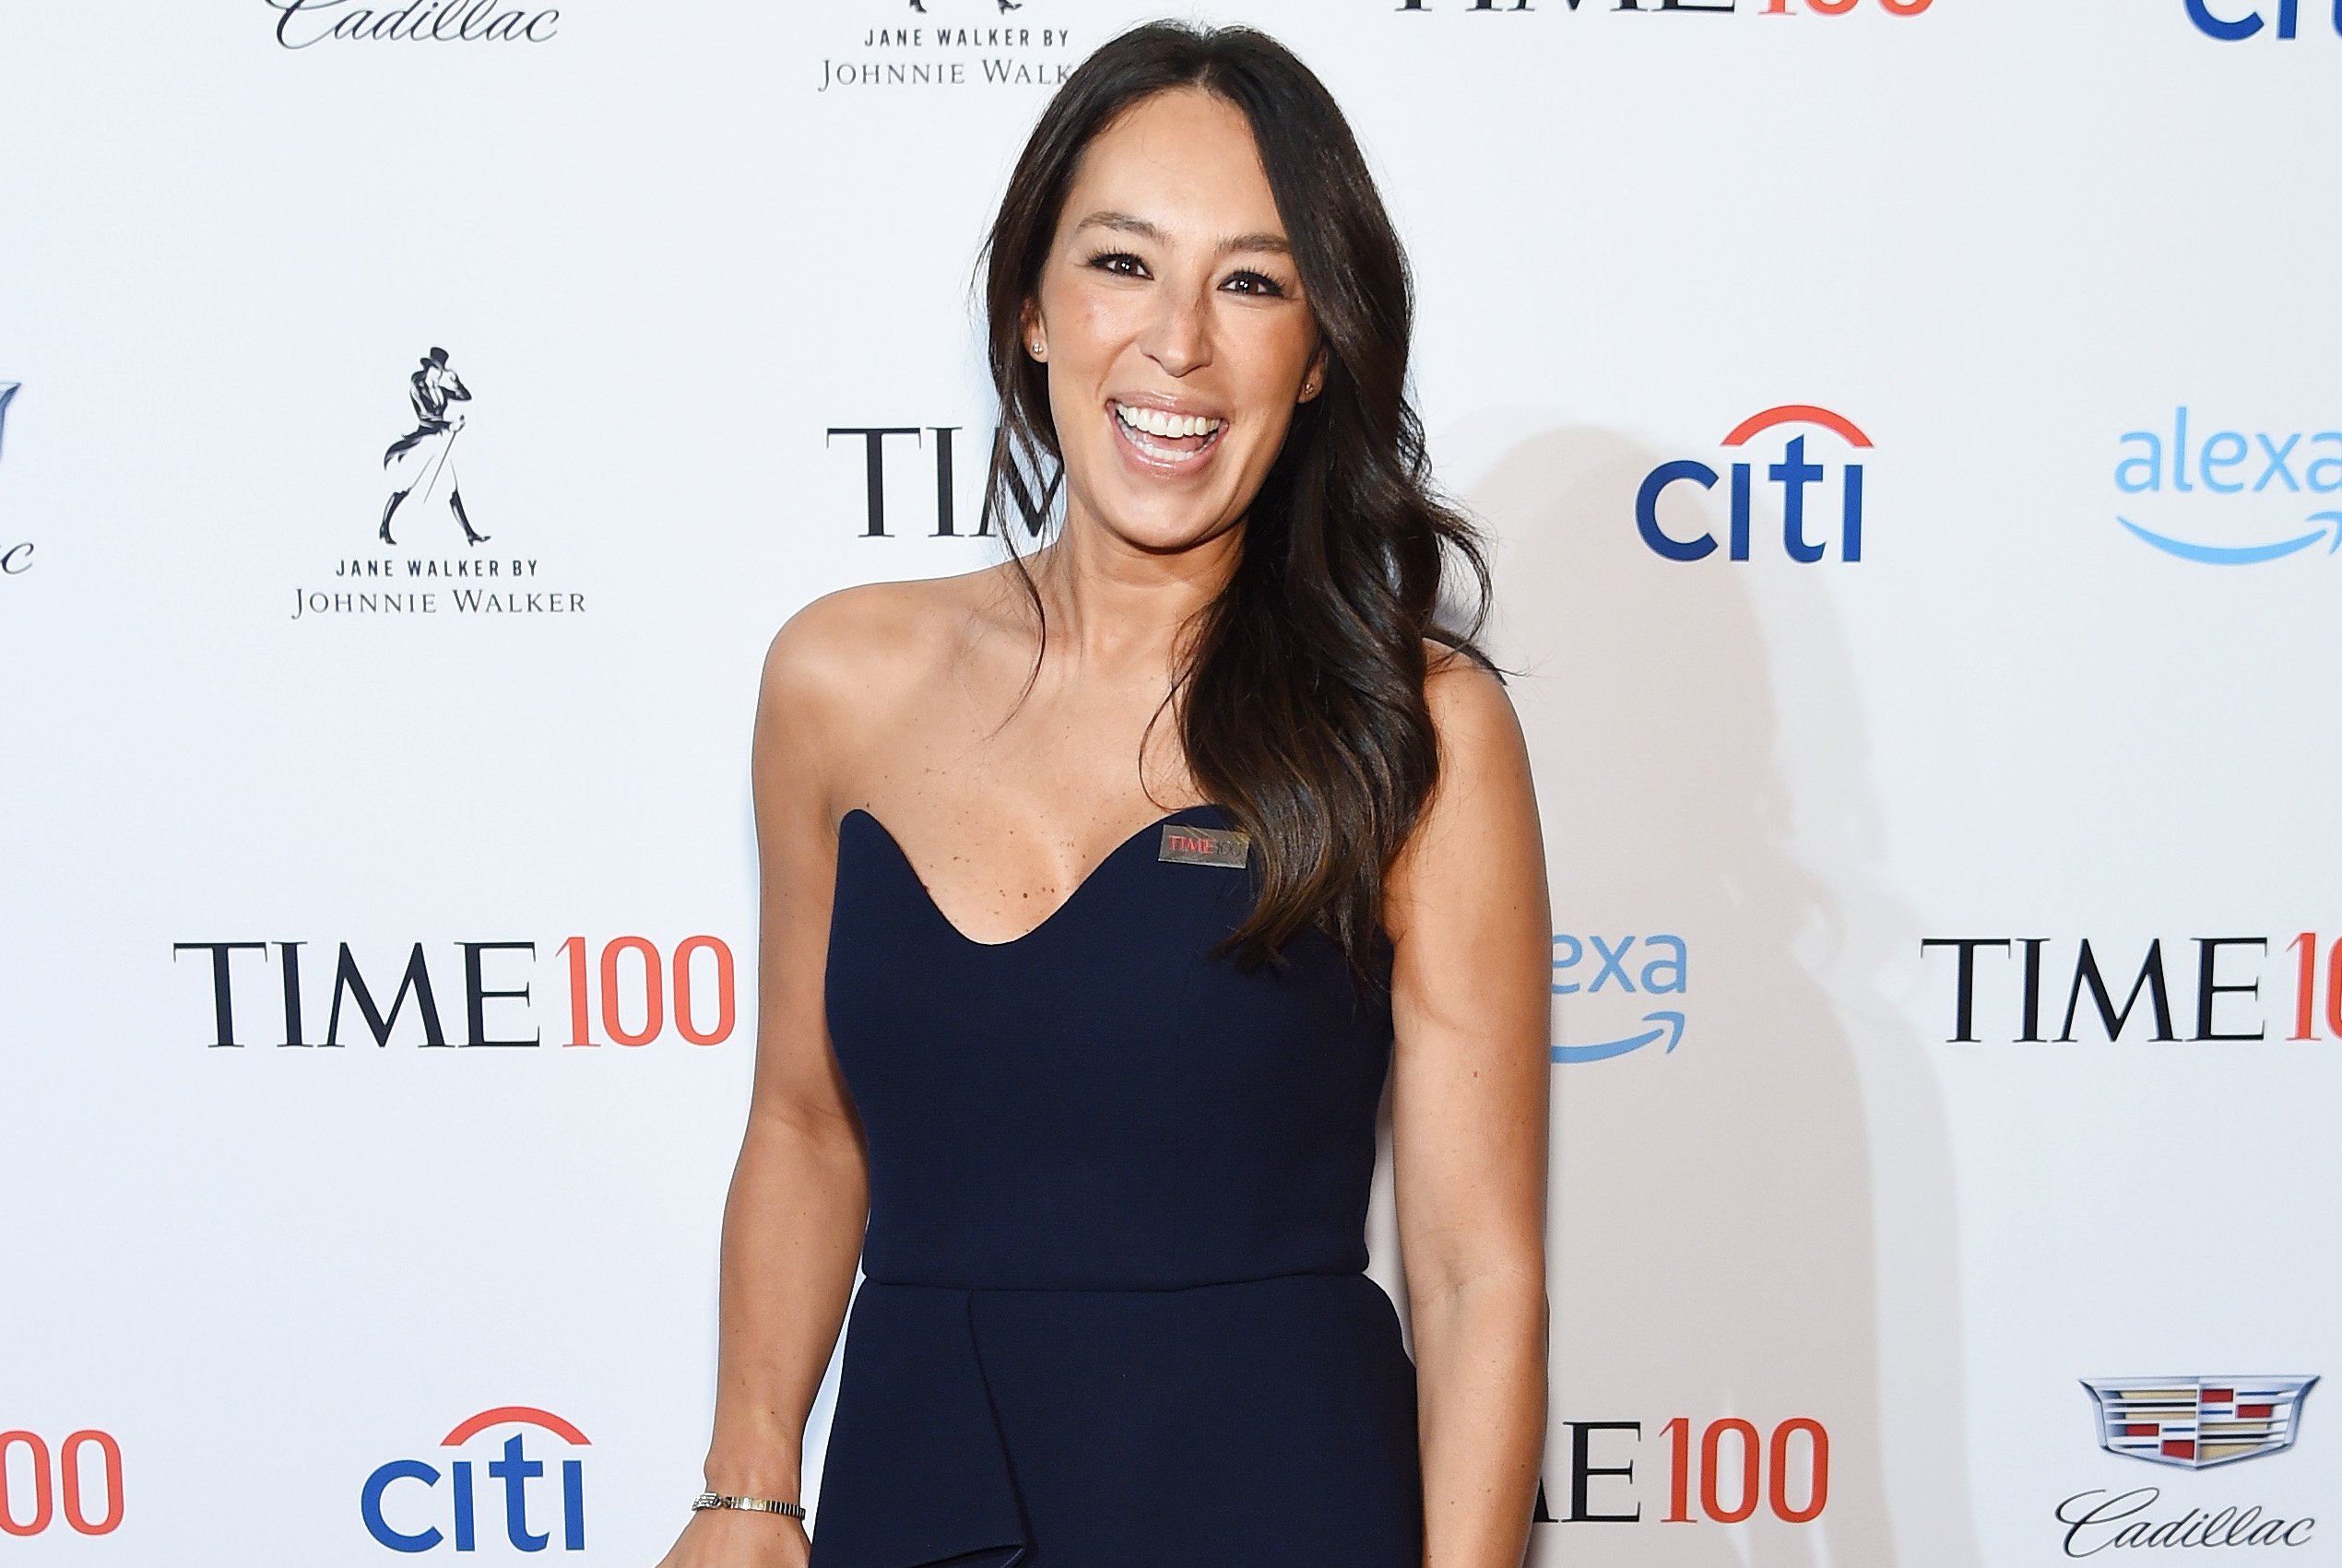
675, 252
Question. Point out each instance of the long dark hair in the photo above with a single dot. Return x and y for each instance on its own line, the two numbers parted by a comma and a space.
1302, 702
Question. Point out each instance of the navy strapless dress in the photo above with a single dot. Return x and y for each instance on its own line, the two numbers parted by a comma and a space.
1113, 1312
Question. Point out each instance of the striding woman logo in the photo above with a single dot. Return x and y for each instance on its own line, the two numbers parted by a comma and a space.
424, 457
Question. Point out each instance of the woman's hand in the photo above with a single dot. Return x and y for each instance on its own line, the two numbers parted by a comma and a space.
736, 1538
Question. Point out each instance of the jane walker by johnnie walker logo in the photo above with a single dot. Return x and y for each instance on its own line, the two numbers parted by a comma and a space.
950, 43
423, 502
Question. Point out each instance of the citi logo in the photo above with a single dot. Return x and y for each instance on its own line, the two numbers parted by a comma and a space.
1588, 966
403, 1508
2233, 21
1805, 489
2250, 499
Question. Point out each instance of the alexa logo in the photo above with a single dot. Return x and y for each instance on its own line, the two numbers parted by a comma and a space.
1641, 981
413, 1505
2219, 497
1813, 499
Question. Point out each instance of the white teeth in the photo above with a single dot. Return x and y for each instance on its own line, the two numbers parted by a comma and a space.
1156, 422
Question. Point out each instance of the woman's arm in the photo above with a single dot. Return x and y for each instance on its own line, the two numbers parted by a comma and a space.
792, 1223
1466, 907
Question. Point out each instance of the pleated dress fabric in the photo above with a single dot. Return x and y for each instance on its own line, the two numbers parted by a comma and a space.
1114, 1311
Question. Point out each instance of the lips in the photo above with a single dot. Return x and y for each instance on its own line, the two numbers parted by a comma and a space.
1159, 454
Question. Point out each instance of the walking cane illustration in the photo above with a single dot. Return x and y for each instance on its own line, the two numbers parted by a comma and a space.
437, 463
429, 479
455, 501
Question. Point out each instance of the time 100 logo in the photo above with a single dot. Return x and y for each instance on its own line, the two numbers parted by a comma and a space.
635, 990
36, 1483
1723, 1471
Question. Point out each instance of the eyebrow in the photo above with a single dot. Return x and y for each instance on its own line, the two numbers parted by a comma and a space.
1123, 222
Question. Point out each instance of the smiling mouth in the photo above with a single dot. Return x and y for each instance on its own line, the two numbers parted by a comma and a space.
1159, 450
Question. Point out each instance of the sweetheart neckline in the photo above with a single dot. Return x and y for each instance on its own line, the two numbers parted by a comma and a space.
1117, 852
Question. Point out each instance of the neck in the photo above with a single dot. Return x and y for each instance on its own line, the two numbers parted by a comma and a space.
1111, 604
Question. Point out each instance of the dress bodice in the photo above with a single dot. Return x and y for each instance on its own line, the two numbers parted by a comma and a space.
1114, 1308
1101, 1103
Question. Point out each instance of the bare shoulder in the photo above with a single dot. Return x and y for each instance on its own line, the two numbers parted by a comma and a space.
1472, 715
840, 668
1478, 835
854, 644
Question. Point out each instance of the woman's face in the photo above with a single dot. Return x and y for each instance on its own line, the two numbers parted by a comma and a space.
1168, 294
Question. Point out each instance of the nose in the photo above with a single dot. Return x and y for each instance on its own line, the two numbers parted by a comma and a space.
1179, 338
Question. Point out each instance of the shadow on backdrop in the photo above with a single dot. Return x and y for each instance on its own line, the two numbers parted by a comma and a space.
1714, 1240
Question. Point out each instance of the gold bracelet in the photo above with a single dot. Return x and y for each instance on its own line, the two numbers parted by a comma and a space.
754, 1504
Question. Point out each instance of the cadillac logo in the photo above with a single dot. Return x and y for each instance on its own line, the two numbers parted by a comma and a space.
2196, 1423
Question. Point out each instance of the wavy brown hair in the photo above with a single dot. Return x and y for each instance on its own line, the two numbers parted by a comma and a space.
1301, 691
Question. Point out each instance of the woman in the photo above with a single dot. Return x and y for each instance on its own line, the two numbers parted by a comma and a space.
426, 452
1102, 1078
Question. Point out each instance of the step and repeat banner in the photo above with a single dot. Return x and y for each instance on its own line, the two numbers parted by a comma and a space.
1911, 437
